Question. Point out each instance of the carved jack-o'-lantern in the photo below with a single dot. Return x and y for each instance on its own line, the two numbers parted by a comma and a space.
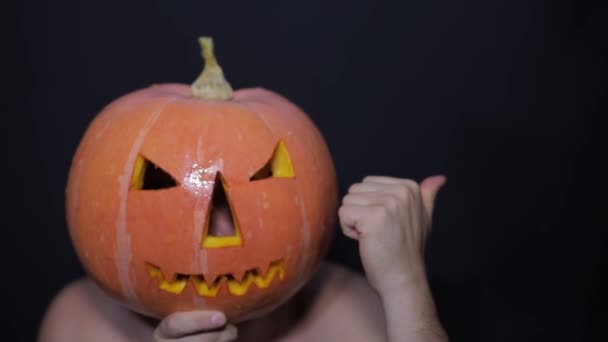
197, 197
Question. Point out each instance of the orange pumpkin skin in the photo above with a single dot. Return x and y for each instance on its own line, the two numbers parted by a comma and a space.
116, 232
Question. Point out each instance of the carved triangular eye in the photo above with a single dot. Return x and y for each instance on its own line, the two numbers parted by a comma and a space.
148, 176
278, 166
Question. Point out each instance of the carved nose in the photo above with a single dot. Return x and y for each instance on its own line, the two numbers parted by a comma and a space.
221, 226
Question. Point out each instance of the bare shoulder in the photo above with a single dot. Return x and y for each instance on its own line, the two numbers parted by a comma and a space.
346, 308
341, 285
82, 312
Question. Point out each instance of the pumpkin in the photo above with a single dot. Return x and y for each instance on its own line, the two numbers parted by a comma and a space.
192, 197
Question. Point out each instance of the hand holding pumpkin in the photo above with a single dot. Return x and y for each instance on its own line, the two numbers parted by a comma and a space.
391, 218
195, 325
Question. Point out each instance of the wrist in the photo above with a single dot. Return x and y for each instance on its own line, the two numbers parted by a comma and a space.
413, 293
410, 279
410, 312
410, 290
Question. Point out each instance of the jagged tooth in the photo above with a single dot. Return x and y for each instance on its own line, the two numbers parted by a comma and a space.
205, 289
174, 284
240, 288
240, 276
263, 281
211, 277
154, 271
263, 270
280, 264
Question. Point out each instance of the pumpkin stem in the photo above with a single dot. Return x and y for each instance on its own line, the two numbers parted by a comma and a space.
211, 84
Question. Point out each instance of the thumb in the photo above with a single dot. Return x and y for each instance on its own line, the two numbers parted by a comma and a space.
429, 188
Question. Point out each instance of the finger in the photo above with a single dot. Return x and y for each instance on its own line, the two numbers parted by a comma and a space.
368, 187
349, 216
230, 333
186, 323
351, 233
389, 180
368, 198
429, 188
355, 218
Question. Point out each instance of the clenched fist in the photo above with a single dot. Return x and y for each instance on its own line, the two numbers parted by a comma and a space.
391, 218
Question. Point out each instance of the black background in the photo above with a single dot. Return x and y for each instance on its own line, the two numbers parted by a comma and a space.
503, 97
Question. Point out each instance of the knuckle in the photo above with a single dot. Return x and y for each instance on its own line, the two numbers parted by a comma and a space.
157, 335
410, 182
342, 211
378, 212
413, 186
353, 187
370, 179
171, 325
213, 337
346, 199
403, 191
166, 325
230, 334
391, 203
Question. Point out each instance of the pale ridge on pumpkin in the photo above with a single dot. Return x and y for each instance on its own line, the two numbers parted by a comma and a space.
305, 234
123, 239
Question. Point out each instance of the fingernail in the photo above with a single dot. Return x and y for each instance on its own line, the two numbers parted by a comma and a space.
218, 319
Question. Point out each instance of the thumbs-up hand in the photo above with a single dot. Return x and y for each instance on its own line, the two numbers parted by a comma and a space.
391, 219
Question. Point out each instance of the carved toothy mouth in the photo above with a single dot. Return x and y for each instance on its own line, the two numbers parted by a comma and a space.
178, 282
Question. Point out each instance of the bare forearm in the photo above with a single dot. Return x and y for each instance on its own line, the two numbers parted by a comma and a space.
391, 218
410, 313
